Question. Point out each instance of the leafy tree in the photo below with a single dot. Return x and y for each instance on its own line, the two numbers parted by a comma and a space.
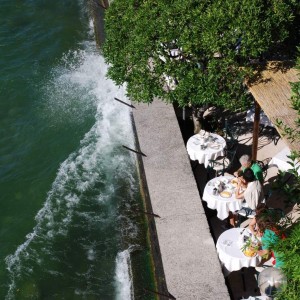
204, 49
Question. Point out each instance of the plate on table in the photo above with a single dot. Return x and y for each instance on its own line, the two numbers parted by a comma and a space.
250, 252
226, 194
234, 182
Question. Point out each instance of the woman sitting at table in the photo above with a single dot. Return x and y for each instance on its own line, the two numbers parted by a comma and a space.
250, 190
270, 235
260, 210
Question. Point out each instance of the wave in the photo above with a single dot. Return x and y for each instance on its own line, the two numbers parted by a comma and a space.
123, 277
85, 191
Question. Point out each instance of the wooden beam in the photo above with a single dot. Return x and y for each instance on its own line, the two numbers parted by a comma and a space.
255, 130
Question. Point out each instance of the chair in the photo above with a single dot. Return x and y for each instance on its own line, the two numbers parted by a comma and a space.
222, 164
231, 134
264, 165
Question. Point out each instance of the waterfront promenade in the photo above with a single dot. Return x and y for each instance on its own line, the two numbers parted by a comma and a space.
188, 252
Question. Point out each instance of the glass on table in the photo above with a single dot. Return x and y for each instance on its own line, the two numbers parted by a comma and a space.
227, 242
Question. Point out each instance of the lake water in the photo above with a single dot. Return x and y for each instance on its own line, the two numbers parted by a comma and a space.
69, 226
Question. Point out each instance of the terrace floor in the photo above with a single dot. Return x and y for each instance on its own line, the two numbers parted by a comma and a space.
240, 283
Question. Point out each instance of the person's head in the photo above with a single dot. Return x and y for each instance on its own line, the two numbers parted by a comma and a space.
261, 208
248, 175
263, 222
245, 161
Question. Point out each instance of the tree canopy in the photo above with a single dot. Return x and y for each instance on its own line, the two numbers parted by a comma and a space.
203, 49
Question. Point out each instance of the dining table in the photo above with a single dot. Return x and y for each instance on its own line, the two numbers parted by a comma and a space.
229, 247
225, 201
280, 160
264, 120
205, 147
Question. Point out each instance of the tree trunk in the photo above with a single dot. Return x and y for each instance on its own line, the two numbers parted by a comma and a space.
196, 121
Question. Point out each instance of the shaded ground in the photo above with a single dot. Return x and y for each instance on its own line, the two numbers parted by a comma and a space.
240, 283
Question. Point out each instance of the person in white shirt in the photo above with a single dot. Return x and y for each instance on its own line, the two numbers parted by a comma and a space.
250, 190
253, 195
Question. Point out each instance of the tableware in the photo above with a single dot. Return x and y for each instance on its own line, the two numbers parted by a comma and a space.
234, 182
230, 186
249, 252
214, 146
225, 194
227, 242
225, 180
202, 133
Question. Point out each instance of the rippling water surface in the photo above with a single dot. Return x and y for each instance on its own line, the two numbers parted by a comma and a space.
69, 190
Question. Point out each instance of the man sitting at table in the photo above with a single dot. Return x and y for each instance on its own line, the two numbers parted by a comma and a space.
246, 162
253, 194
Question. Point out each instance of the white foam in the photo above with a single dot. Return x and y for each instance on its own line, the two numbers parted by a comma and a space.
123, 276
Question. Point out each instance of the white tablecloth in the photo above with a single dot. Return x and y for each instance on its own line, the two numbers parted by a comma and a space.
280, 160
222, 205
203, 156
230, 253
264, 120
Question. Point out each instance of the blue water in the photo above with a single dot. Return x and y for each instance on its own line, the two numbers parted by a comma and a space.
69, 190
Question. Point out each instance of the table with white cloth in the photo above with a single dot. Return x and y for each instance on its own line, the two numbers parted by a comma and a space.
212, 149
280, 160
264, 120
230, 253
221, 204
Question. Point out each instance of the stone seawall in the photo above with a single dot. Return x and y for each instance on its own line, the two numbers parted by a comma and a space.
190, 262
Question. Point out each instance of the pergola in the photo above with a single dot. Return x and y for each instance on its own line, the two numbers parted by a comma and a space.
272, 94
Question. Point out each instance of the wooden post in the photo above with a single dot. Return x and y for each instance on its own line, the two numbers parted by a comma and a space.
255, 130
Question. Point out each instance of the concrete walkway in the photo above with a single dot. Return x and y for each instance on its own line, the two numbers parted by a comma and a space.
189, 256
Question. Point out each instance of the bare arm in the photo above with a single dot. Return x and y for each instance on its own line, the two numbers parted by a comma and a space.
236, 173
239, 193
252, 226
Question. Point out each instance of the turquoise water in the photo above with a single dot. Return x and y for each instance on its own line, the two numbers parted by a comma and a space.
69, 190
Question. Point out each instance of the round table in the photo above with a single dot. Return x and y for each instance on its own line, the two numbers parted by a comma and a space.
213, 149
280, 160
264, 120
222, 205
230, 253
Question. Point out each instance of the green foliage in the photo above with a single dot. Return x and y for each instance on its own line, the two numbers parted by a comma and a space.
290, 249
216, 42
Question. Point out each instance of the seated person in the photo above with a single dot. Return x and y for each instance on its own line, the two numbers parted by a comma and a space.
246, 162
253, 194
260, 209
270, 235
